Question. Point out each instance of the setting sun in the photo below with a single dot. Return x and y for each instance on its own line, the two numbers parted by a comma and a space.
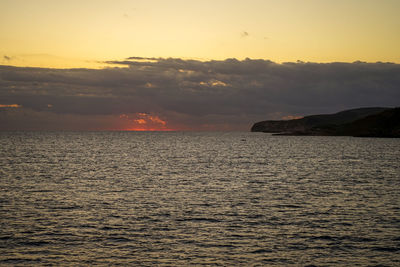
142, 122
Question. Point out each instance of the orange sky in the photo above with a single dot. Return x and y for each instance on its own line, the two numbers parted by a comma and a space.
47, 33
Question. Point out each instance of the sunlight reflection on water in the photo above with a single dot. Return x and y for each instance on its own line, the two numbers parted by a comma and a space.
198, 198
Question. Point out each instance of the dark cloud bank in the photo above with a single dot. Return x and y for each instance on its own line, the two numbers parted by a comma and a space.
190, 94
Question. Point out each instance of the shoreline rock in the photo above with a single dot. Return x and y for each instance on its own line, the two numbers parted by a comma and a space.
363, 122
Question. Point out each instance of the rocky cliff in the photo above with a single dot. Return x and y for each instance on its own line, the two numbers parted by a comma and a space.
382, 122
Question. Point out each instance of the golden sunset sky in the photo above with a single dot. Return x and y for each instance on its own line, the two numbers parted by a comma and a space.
77, 33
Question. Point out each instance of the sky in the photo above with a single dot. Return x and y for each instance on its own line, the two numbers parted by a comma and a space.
192, 65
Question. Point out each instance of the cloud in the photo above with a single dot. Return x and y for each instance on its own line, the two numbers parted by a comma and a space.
143, 58
244, 34
191, 94
10, 106
291, 117
7, 58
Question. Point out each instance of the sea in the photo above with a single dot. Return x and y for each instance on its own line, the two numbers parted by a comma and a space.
198, 199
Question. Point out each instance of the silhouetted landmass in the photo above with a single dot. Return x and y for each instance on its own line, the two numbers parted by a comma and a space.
367, 122
309, 122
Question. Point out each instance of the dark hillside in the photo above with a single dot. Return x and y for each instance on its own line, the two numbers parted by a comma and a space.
384, 124
307, 123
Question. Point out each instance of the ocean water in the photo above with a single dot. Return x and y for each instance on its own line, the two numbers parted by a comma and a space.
180, 198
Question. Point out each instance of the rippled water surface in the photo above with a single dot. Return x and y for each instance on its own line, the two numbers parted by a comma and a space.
235, 199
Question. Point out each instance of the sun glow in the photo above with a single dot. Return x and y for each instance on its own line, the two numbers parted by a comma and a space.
10, 106
292, 117
143, 122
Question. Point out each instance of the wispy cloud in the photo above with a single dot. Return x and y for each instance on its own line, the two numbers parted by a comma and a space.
244, 34
10, 106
